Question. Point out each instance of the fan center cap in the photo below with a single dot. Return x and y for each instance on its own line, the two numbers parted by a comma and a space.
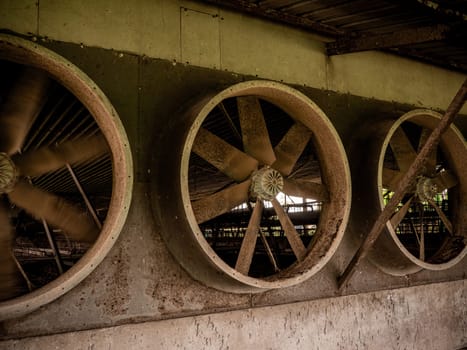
266, 183
8, 173
426, 188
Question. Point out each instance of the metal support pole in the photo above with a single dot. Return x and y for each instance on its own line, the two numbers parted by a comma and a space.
54, 247
31, 286
268, 251
85, 197
405, 183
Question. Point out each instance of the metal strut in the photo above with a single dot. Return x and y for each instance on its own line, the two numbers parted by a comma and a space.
404, 184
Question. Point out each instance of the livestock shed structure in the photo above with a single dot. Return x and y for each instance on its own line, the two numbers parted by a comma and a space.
233, 174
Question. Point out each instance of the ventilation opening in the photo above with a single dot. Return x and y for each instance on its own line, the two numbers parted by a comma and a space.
65, 171
428, 228
265, 191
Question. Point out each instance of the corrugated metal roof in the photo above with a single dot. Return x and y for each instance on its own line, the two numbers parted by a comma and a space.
429, 30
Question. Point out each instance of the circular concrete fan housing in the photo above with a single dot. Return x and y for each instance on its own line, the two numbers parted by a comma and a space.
429, 228
259, 196
65, 176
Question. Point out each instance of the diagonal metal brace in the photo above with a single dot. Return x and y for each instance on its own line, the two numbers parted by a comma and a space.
405, 183
387, 40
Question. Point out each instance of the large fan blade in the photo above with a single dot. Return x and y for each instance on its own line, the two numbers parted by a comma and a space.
50, 158
291, 147
254, 131
400, 214
421, 253
20, 109
391, 178
228, 159
9, 275
430, 165
221, 202
442, 216
291, 233
247, 249
402, 149
445, 180
306, 189
55, 210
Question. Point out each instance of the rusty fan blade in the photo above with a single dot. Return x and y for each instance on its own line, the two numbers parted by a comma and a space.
391, 178
442, 216
255, 134
220, 202
21, 107
291, 147
402, 149
50, 158
401, 213
291, 233
228, 159
421, 254
247, 248
55, 210
306, 189
9, 274
445, 180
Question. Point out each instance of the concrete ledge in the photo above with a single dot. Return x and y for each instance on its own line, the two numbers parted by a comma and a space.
424, 317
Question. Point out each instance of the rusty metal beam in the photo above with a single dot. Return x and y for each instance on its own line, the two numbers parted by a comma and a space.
449, 9
405, 183
450, 63
383, 41
278, 16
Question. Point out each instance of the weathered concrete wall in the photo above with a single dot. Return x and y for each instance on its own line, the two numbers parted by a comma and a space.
206, 36
139, 281
397, 319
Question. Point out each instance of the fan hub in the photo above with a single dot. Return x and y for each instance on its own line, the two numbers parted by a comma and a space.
8, 173
266, 183
426, 188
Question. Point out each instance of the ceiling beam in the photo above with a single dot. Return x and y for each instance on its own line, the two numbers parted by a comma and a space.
451, 8
459, 64
254, 9
389, 40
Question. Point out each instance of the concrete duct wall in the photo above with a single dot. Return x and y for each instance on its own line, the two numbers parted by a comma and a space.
201, 35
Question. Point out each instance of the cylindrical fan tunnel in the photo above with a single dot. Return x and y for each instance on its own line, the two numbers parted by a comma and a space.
428, 230
257, 192
65, 176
